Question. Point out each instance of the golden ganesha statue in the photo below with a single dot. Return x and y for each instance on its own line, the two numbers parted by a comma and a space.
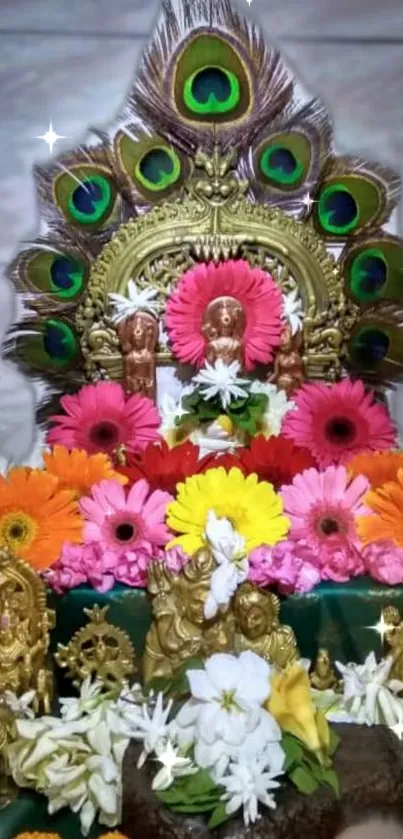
25, 622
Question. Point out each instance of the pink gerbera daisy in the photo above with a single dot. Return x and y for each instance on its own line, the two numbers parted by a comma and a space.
337, 422
255, 291
101, 418
322, 507
126, 521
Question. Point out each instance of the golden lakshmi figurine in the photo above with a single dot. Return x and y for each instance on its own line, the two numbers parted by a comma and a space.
24, 632
258, 626
394, 639
323, 676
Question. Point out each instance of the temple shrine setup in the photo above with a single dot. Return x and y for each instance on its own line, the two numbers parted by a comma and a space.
201, 568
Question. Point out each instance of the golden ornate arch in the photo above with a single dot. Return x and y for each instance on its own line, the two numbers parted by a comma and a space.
215, 220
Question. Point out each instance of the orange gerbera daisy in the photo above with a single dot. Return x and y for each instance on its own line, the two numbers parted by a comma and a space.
36, 517
379, 468
77, 470
387, 523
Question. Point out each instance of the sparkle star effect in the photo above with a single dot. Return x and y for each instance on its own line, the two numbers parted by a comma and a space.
382, 627
307, 201
50, 137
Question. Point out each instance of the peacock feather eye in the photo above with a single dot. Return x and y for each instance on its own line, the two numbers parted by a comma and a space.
347, 204
90, 201
67, 276
374, 269
284, 160
159, 169
212, 90
338, 210
368, 347
368, 274
210, 81
50, 275
86, 196
59, 342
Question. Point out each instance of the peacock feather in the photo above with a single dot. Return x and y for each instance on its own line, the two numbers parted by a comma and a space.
207, 81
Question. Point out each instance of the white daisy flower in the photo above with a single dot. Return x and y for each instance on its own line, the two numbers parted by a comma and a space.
137, 300
292, 310
222, 380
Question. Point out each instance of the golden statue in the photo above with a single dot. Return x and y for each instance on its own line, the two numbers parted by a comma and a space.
394, 639
138, 335
8, 790
24, 632
98, 650
323, 676
180, 630
289, 371
258, 628
223, 327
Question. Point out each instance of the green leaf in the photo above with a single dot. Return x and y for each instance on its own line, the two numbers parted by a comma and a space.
159, 685
201, 783
334, 741
303, 780
293, 751
330, 778
219, 816
193, 807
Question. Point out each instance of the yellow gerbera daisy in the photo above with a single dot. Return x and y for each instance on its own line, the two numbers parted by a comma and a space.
252, 507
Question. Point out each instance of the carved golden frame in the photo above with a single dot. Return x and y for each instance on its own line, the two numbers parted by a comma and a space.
214, 219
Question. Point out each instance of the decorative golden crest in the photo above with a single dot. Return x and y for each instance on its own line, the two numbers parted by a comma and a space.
25, 622
99, 650
215, 220
180, 631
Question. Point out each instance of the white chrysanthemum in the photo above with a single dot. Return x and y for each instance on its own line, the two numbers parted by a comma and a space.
228, 549
292, 310
137, 300
222, 380
277, 407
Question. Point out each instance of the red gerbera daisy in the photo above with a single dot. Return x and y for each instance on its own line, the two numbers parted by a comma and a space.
101, 418
227, 460
163, 467
275, 460
339, 421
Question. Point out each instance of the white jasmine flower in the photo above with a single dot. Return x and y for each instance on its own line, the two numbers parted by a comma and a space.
73, 708
225, 708
248, 783
228, 549
292, 310
277, 407
150, 725
369, 694
137, 300
222, 380
20, 706
173, 766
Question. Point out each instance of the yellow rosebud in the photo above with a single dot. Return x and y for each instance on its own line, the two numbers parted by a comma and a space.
291, 704
225, 423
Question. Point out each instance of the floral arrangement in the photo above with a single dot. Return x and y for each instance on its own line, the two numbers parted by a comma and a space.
236, 728
287, 493
223, 735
